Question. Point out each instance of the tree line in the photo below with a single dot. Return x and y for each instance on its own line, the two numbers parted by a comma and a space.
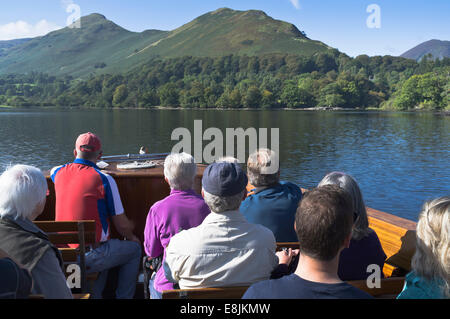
330, 79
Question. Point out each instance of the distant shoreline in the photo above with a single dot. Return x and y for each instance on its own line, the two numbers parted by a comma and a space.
174, 108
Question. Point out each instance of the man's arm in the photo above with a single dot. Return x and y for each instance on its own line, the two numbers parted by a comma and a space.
152, 243
125, 227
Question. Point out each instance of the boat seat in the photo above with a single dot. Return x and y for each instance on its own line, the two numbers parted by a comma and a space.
206, 293
75, 296
63, 233
389, 288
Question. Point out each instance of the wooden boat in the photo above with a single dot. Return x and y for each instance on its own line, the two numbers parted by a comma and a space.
141, 188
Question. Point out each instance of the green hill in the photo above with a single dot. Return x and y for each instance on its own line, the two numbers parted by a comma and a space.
100, 46
227, 31
9, 44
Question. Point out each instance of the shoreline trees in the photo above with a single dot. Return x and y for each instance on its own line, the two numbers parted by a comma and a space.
273, 81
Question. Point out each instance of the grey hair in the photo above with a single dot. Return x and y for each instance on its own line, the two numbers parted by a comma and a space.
432, 257
228, 159
220, 204
257, 165
180, 170
361, 226
22, 189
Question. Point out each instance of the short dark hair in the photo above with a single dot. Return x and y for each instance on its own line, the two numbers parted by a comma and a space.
89, 156
323, 221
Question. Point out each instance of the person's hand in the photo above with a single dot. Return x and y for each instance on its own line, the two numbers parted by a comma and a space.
134, 238
285, 256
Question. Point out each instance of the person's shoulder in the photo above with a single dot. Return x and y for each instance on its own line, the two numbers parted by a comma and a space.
372, 235
271, 288
263, 233
155, 208
417, 287
185, 240
291, 187
56, 169
355, 293
260, 290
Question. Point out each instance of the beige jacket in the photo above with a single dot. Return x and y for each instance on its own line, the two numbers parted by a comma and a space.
225, 250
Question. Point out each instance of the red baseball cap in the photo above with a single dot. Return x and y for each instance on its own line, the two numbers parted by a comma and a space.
88, 142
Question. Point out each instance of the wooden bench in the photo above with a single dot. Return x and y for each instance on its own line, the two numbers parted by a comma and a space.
389, 288
75, 296
71, 232
205, 293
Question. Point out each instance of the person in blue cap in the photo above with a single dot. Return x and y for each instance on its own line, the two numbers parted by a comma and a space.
225, 250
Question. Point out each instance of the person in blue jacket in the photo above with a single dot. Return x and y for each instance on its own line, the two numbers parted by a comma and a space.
15, 282
272, 203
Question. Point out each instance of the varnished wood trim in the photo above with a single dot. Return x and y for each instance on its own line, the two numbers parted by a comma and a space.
206, 293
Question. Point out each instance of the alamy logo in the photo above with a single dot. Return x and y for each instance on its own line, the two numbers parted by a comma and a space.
374, 19
235, 139
374, 279
74, 20
73, 280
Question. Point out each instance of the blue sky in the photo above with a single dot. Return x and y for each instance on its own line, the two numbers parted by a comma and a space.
339, 23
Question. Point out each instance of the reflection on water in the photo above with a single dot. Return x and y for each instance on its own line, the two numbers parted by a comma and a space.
399, 159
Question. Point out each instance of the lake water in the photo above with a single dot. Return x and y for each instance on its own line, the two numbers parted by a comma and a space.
399, 159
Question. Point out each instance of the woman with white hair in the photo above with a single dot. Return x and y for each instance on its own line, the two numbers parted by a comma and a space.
23, 191
430, 274
181, 210
365, 247
272, 203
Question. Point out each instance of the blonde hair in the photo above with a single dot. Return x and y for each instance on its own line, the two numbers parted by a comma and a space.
431, 259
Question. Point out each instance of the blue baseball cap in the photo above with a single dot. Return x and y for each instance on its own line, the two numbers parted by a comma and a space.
224, 179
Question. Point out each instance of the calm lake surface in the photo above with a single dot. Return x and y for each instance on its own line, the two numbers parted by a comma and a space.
399, 159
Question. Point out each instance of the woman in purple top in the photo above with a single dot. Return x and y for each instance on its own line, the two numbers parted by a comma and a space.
365, 247
181, 210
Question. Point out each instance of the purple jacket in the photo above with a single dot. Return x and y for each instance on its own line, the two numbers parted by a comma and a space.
180, 210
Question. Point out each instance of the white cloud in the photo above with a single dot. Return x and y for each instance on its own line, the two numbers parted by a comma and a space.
295, 3
23, 29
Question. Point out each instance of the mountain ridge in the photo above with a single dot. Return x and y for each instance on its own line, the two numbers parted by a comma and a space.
102, 46
437, 48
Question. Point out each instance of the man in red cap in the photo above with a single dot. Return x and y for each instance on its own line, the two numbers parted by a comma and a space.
83, 192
